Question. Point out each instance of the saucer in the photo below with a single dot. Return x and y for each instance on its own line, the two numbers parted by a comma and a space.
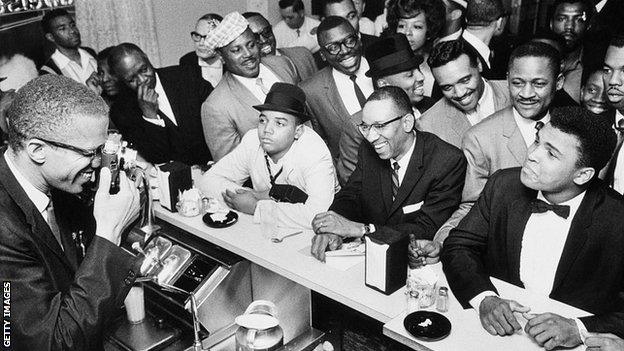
427, 325
213, 219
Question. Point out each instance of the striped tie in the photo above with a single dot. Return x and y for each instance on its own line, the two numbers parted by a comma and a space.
395, 179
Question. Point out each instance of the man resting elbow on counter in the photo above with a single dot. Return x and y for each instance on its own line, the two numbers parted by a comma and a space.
405, 180
281, 152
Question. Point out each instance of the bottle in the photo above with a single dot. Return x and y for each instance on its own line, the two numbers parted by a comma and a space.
443, 299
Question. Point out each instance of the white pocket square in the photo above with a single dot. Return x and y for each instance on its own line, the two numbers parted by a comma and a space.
412, 208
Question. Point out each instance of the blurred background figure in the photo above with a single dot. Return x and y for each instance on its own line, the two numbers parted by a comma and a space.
295, 28
102, 81
366, 25
454, 25
205, 61
15, 71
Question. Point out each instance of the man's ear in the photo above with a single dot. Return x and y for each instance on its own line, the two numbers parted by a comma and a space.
50, 37
298, 131
36, 150
456, 14
408, 121
560, 81
584, 175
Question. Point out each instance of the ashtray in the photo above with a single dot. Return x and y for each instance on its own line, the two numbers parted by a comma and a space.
220, 219
427, 325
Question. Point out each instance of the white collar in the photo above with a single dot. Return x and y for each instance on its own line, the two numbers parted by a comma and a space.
479, 45
618, 116
62, 61
574, 202
217, 64
38, 197
405, 160
487, 92
251, 81
360, 74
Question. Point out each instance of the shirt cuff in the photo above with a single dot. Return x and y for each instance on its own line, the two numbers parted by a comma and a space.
157, 121
583, 332
475, 302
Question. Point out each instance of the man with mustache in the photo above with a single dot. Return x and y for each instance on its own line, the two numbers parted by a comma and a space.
69, 59
160, 113
468, 97
501, 140
204, 61
339, 90
569, 20
300, 57
613, 76
551, 228
228, 113
282, 150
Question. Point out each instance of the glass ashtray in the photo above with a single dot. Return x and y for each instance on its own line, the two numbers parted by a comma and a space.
188, 208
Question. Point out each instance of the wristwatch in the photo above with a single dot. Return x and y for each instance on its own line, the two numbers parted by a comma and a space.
368, 229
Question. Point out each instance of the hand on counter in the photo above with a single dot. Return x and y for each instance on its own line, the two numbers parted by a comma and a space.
423, 252
242, 200
497, 316
113, 213
332, 223
604, 342
322, 242
552, 330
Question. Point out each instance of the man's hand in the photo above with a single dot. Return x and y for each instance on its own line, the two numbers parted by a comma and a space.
261, 195
241, 200
94, 83
551, 330
148, 101
497, 316
322, 242
332, 223
604, 342
113, 213
423, 252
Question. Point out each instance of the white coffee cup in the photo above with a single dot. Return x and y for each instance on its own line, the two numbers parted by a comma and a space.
135, 305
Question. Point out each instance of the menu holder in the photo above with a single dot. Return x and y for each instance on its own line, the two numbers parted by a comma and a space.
386, 259
173, 178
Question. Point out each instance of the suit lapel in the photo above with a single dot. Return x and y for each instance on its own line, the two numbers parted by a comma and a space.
240, 91
457, 120
515, 143
333, 96
519, 214
412, 175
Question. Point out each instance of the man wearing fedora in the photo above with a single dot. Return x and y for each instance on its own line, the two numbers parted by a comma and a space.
281, 151
228, 113
392, 62
468, 97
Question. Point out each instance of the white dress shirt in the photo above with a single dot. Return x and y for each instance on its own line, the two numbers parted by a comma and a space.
163, 105
268, 79
211, 72
38, 197
367, 26
600, 5
307, 165
346, 90
404, 162
485, 105
527, 126
618, 173
287, 37
78, 72
480, 46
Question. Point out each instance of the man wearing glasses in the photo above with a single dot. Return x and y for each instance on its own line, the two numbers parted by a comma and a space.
405, 181
339, 90
204, 61
60, 299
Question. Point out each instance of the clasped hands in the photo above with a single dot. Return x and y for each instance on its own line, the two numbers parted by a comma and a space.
244, 199
549, 330
331, 228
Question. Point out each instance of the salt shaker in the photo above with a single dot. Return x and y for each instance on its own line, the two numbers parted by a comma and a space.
442, 300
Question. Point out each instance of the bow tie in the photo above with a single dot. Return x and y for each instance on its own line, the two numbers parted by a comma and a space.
539, 206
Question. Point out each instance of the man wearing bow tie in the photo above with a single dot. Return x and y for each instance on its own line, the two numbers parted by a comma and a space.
551, 227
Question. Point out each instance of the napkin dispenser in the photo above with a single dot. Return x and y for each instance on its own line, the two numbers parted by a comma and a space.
386, 259
174, 177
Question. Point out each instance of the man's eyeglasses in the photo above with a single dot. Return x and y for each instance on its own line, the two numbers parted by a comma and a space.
197, 37
366, 128
90, 154
349, 42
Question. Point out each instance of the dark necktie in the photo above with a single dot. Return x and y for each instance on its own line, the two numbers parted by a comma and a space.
298, 32
610, 176
538, 126
395, 179
54, 228
358, 92
539, 206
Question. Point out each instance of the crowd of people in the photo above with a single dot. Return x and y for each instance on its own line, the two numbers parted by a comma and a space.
497, 157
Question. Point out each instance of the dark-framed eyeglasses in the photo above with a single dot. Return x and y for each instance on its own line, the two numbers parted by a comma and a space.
197, 37
90, 154
349, 42
366, 128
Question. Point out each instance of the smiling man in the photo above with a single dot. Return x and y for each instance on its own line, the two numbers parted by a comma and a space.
468, 97
61, 298
281, 151
550, 227
228, 113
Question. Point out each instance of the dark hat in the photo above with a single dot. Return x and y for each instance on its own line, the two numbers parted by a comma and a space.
287, 98
390, 55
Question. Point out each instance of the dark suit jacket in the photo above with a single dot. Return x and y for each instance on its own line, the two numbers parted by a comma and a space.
302, 60
57, 303
184, 142
492, 73
434, 177
590, 275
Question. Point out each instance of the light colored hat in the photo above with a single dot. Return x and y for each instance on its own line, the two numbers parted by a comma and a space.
232, 25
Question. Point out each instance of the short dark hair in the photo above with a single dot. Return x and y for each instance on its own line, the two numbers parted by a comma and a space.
617, 41
397, 95
46, 21
250, 14
448, 51
122, 50
328, 2
484, 12
104, 54
210, 16
297, 5
595, 135
331, 22
434, 10
537, 49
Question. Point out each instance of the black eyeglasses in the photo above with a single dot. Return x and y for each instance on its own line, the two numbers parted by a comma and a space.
197, 37
90, 154
349, 42
366, 128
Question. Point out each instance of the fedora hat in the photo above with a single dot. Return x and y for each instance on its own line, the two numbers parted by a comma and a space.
390, 55
287, 98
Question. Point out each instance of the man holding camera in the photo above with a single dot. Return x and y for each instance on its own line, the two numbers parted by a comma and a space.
59, 299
